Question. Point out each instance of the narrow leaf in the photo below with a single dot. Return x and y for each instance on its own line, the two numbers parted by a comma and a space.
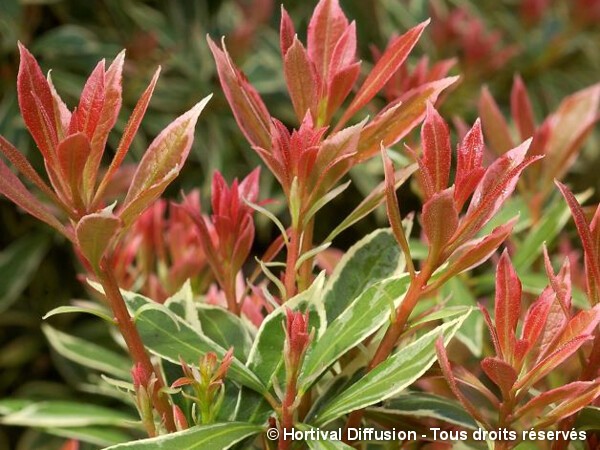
301, 79
129, 133
250, 112
494, 124
13, 189
363, 317
165, 155
394, 56
35, 102
437, 153
521, 109
370, 260
216, 435
397, 120
507, 305
391, 376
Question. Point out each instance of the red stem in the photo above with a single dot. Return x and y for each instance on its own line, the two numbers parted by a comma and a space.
290, 267
134, 343
588, 373
287, 411
395, 330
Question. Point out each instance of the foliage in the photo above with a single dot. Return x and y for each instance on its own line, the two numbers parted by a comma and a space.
239, 315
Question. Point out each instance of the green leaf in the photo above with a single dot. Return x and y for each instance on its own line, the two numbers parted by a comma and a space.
214, 436
471, 332
18, 263
87, 353
588, 419
363, 317
168, 336
371, 201
553, 220
316, 206
514, 206
102, 436
61, 414
321, 444
429, 406
266, 355
373, 258
95, 311
225, 329
391, 376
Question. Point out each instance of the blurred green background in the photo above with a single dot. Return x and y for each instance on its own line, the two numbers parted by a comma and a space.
553, 44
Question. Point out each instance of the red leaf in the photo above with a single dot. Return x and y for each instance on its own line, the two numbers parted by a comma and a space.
396, 121
476, 251
393, 57
536, 317
86, 116
23, 166
521, 109
501, 373
13, 189
582, 324
129, 133
62, 114
250, 112
494, 188
591, 257
71, 444
344, 52
302, 80
339, 88
73, 152
393, 211
451, 380
38, 114
561, 284
555, 323
286, 32
494, 124
107, 118
440, 220
161, 163
551, 362
491, 329
570, 406
437, 153
571, 124
469, 170
327, 25
507, 306
569, 391
95, 234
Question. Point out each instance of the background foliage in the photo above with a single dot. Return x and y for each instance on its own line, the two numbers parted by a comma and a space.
556, 54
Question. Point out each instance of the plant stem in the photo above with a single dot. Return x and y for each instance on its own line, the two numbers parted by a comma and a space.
134, 343
588, 373
290, 265
229, 289
395, 330
305, 271
287, 411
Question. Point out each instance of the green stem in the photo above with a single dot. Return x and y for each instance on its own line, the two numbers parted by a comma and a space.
134, 343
